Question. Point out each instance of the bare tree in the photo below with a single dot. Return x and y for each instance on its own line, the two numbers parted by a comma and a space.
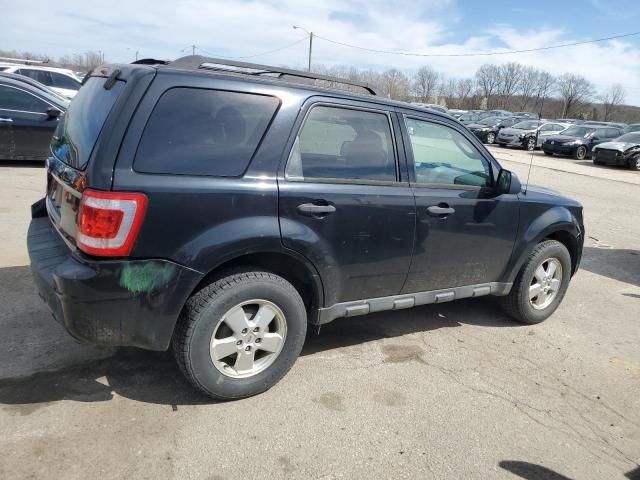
528, 86
394, 84
425, 84
447, 90
544, 86
488, 78
575, 91
463, 92
611, 100
510, 78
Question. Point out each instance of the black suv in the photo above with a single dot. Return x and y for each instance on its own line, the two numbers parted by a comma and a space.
221, 208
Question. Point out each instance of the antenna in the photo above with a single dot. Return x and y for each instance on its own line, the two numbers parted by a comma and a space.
526, 185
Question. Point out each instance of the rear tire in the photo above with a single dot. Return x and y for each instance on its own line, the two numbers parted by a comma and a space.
536, 293
256, 318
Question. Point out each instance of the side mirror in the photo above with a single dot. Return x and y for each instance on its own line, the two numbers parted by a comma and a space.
508, 182
53, 112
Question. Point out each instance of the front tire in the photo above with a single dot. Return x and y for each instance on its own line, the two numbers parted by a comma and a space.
540, 285
634, 163
490, 138
548, 153
240, 335
580, 153
530, 144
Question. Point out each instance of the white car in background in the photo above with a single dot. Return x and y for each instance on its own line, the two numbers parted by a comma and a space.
523, 134
60, 80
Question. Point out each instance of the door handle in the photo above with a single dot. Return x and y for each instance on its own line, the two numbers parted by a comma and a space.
311, 209
440, 210
4, 119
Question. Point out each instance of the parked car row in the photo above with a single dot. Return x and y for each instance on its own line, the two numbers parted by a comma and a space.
63, 81
29, 113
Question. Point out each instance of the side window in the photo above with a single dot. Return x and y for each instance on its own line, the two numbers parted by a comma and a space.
442, 155
62, 81
345, 144
549, 127
194, 131
41, 76
600, 133
16, 99
612, 133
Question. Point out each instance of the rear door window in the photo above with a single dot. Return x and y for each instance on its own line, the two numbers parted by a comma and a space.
195, 131
81, 125
16, 99
41, 76
343, 144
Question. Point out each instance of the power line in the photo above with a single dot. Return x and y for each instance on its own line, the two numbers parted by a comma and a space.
248, 56
481, 54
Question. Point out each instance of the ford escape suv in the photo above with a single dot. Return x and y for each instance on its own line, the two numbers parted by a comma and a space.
221, 208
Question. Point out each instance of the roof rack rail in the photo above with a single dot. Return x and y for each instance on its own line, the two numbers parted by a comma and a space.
195, 62
26, 61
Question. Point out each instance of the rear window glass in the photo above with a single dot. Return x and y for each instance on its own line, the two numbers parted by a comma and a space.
80, 127
204, 132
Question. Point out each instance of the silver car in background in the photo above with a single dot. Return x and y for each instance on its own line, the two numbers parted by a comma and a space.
523, 134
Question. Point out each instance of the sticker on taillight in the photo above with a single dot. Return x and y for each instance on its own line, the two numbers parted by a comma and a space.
108, 222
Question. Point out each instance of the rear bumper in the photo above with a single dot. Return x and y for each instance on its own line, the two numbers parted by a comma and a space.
108, 302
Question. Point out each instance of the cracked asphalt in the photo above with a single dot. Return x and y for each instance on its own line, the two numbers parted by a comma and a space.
445, 391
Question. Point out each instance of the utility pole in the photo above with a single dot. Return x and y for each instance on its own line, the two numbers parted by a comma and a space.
295, 27
193, 49
310, 48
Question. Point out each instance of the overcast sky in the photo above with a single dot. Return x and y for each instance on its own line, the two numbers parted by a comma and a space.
250, 28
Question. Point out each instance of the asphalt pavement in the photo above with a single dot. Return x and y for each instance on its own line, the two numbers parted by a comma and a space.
443, 391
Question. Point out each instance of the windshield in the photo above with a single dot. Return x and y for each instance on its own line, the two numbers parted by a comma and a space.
577, 131
490, 121
526, 125
629, 138
631, 128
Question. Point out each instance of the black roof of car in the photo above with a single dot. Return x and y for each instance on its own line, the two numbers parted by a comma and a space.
33, 86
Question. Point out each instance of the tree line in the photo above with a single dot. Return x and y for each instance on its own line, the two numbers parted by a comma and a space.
510, 86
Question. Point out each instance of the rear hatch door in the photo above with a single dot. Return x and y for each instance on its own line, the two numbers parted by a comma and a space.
73, 147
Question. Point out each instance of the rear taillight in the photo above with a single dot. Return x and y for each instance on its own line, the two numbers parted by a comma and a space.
108, 222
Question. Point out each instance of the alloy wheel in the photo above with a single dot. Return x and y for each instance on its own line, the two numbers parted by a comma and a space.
545, 283
248, 339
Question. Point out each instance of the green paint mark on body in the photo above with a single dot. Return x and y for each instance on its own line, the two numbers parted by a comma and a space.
145, 277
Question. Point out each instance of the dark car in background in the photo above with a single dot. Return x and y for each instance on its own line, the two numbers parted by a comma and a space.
29, 114
470, 117
487, 129
577, 141
622, 151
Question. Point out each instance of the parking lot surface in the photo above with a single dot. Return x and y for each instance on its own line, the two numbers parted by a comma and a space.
443, 391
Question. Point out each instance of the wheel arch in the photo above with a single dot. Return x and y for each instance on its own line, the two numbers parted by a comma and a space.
285, 263
557, 223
